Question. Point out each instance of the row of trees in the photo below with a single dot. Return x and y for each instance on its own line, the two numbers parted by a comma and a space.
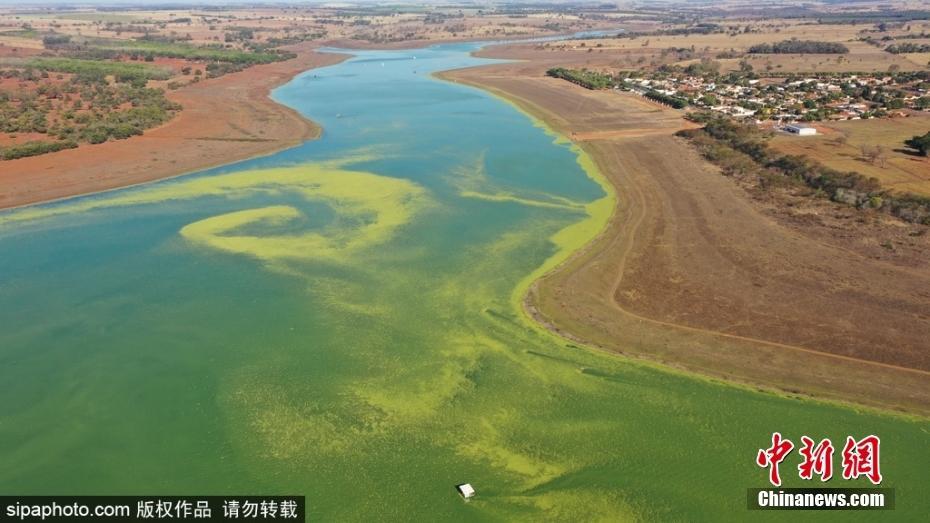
800, 47
671, 101
146, 50
594, 80
699, 29
908, 48
582, 77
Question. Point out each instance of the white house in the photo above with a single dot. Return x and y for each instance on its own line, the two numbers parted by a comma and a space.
800, 130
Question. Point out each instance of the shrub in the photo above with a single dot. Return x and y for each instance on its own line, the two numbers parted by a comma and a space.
53, 40
34, 148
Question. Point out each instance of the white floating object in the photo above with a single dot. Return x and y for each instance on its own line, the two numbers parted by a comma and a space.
466, 490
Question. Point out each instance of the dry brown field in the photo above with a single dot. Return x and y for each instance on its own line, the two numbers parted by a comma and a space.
840, 146
647, 50
326, 25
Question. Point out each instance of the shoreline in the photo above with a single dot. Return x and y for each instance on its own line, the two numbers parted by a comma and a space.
19, 176
898, 390
587, 162
253, 125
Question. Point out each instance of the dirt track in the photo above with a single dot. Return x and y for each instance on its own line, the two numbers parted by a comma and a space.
695, 274
224, 120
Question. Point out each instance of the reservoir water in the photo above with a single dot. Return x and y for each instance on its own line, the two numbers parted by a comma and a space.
341, 320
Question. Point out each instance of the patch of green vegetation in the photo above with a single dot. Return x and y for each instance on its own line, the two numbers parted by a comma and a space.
85, 109
97, 68
148, 108
21, 33
53, 40
699, 29
171, 49
800, 47
882, 16
908, 48
34, 148
669, 100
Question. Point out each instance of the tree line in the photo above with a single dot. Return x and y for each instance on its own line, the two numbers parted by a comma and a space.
587, 79
34, 148
671, 101
908, 48
799, 47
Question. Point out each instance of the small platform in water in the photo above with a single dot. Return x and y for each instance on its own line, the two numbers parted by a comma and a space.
466, 490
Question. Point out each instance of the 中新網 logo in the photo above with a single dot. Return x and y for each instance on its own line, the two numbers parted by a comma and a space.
859, 458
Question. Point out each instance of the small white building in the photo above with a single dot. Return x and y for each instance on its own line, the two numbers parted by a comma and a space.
466, 490
800, 130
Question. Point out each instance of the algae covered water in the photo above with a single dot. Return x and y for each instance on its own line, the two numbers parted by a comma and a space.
341, 320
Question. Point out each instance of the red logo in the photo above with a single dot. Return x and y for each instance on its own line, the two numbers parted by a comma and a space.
817, 460
860, 458
773, 456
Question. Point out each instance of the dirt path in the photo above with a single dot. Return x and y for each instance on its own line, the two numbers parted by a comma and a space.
693, 273
224, 120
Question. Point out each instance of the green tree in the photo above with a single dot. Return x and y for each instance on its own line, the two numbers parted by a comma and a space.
709, 100
920, 143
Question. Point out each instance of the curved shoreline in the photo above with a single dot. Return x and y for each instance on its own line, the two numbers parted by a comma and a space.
597, 218
223, 121
883, 387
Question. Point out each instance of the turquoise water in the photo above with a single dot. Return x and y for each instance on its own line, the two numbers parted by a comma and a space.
339, 320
